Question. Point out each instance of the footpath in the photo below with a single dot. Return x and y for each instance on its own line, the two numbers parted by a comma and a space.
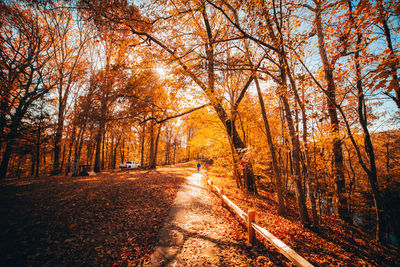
198, 232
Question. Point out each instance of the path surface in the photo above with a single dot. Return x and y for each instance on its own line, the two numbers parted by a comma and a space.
195, 233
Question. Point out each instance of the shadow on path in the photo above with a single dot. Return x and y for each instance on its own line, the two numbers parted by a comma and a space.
196, 234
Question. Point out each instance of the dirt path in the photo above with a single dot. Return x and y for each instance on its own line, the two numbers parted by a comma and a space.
199, 233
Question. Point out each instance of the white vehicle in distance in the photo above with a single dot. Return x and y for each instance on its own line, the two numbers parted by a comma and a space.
129, 165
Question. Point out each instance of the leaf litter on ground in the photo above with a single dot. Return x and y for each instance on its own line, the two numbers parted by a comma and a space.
335, 244
111, 218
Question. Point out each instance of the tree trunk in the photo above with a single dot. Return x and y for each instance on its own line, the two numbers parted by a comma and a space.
152, 163
99, 139
175, 145
372, 172
240, 150
229, 123
295, 157
341, 201
62, 158
156, 145
235, 163
38, 150
122, 150
78, 149
6, 158
278, 181
189, 137
71, 143
111, 152
143, 135
167, 147
57, 144
32, 172
307, 166
394, 60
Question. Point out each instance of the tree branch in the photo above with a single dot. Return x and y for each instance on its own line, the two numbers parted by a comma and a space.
174, 116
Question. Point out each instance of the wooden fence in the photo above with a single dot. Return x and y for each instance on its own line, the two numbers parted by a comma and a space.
252, 228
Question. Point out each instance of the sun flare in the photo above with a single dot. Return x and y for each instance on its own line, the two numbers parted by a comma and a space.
161, 71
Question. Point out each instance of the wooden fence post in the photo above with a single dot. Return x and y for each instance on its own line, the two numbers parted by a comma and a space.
251, 215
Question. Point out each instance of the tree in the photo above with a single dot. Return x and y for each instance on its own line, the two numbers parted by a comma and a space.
319, 9
129, 16
25, 72
389, 66
273, 32
82, 116
68, 40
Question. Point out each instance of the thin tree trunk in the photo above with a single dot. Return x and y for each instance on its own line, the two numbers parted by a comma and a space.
57, 143
103, 150
32, 163
340, 190
99, 139
387, 156
152, 164
311, 190
175, 145
156, 145
189, 137
78, 149
167, 146
71, 144
62, 159
372, 172
394, 60
300, 198
142, 144
6, 158
38, 150
278, 181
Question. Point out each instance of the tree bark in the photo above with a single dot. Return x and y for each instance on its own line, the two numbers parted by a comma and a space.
6, 158
143, 135
71, 144
57, 142
99, 139
363, 117
38, 150
307, 166
394, 61
278, 180
300, 198
340, 190
156, 145
152, 164
240, 148
78, 149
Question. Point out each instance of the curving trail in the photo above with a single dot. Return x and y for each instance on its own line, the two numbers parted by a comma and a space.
199, 233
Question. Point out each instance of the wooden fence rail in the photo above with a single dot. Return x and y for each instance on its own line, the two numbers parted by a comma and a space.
248, 219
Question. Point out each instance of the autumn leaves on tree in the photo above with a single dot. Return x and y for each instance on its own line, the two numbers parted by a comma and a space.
279, 89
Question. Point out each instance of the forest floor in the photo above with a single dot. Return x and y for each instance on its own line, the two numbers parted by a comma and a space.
333, 244
114, 218
110, 218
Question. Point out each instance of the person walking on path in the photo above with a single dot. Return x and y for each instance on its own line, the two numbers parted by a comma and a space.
198, 167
